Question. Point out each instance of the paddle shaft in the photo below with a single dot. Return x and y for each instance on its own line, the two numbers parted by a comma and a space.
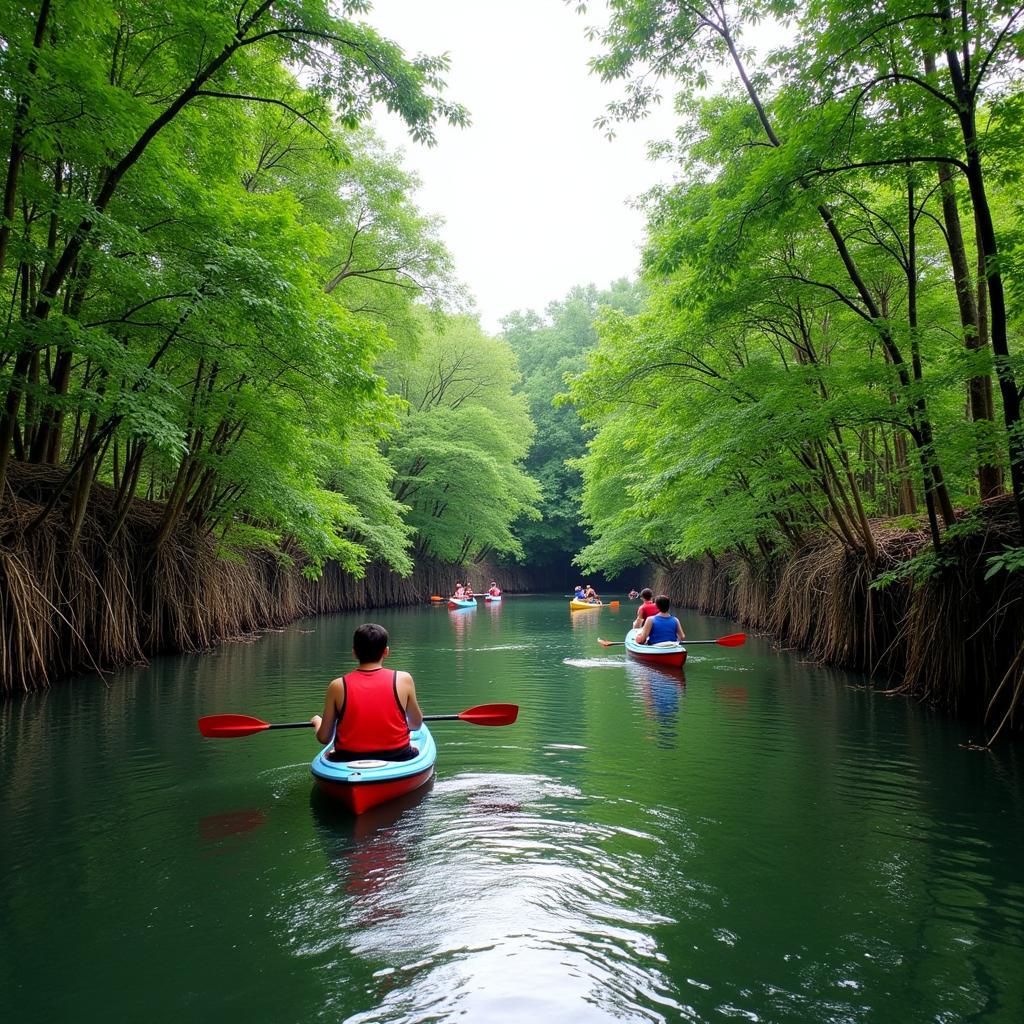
702, 642
309, 725
733, 640
622, 643
236, 726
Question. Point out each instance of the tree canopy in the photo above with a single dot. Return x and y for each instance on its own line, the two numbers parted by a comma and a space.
827, 338
217, 280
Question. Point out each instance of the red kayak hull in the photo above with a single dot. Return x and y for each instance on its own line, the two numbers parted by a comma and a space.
359, 797
669, 659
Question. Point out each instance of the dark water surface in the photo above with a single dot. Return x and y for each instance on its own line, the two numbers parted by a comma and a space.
764, 841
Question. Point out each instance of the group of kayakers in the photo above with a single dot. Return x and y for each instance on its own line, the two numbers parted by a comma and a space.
464, 591
368, 713
655, 623
585, 592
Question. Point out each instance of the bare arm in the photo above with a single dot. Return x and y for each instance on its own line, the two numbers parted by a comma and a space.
646, 631
407, 695
334, 699
638, 621
679, 631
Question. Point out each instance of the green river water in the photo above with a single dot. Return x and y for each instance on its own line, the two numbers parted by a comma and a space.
761, 839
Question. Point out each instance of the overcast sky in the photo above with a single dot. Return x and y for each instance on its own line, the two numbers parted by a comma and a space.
534, 197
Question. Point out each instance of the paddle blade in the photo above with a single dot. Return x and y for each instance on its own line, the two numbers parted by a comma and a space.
613, 604
229, 726
732, 640
607, 643
491, 714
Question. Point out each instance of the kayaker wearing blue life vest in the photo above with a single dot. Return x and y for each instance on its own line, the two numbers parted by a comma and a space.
579, 595
662, 627
369, 712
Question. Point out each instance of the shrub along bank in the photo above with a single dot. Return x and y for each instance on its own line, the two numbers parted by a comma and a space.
948, 630
91, 603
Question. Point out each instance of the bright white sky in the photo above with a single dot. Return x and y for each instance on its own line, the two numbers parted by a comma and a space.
534, 197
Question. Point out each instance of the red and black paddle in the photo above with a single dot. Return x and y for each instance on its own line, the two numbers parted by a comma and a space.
732, 640
227, 727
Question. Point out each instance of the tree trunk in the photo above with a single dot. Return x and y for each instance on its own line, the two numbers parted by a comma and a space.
979, 389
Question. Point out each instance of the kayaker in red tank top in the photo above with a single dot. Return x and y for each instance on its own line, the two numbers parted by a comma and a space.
369, 712
647, 609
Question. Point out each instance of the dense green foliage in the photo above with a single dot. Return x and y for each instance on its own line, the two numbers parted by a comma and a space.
550, 349
206, 261
462, 437
832, 333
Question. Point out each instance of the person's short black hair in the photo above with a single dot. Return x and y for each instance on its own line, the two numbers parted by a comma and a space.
647, 594
663, 603
369, 641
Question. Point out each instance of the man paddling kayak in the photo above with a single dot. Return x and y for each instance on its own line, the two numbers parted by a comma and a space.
369, 712
662, 627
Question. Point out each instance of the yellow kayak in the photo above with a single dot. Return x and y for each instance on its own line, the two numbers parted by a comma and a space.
580, 605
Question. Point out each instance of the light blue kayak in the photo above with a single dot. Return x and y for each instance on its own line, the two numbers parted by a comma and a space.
671, 655
364, 783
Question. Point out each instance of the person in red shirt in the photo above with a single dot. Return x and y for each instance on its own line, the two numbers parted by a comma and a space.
369, 712
647, 609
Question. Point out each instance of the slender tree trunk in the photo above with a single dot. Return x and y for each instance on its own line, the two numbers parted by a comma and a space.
966, 97
18, 136
979, 388
932, 470
907, 501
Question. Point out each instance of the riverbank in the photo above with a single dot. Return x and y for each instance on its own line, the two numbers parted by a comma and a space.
932, 629
110, 600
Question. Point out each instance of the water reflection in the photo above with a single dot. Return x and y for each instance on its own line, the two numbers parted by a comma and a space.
229, 824
660, 689
762, 843
495, 900
461, 620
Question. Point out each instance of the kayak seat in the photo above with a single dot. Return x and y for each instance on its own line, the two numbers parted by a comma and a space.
404, 754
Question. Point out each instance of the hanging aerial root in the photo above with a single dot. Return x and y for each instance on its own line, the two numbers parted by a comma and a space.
941, 634
91, 603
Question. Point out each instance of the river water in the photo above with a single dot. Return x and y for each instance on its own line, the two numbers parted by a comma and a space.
759, 839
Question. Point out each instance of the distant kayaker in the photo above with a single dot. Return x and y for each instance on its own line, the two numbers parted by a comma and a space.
494, 590
591, 595
647, 609
579, 595
661, 627
468, 592
633, 594
369, 712
460, 590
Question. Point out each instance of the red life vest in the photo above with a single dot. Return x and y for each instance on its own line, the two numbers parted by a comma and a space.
372, 717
